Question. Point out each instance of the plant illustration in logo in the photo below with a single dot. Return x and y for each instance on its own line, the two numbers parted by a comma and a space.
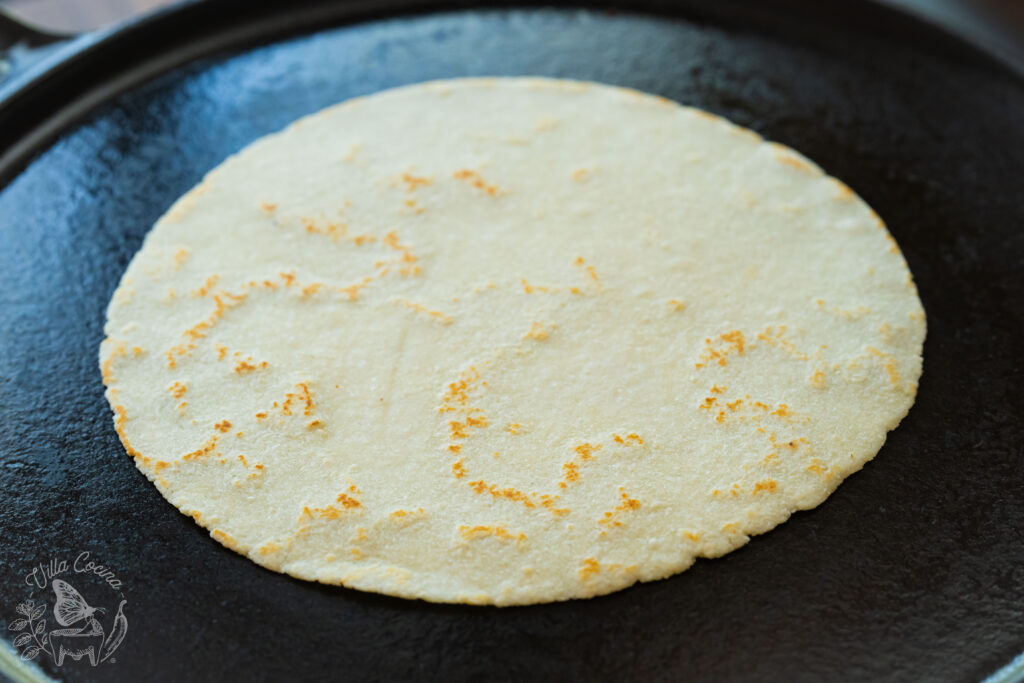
36, 638
87, 640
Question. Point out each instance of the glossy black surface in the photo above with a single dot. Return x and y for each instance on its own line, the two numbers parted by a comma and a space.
912, 570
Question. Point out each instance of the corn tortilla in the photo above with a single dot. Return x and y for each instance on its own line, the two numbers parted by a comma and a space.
508, 341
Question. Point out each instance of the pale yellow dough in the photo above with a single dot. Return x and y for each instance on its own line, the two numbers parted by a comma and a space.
508, 341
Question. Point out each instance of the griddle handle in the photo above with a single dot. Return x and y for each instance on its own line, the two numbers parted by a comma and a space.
14, 32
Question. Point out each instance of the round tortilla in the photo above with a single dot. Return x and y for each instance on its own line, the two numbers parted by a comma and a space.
508, 341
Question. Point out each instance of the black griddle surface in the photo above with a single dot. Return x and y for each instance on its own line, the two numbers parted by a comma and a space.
912, 570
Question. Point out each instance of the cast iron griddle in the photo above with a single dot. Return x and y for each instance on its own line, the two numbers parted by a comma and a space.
912, 570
